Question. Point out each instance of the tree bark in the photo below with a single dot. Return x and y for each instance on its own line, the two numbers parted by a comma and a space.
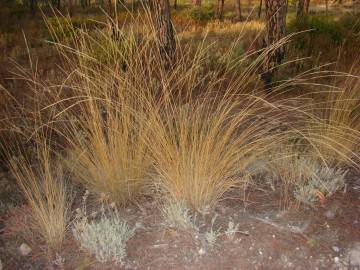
164, 30
33, 5
326, 6
260, 8
70, 7
307, 6
300, 8
238, 17
110, 7
275, 31
220, 9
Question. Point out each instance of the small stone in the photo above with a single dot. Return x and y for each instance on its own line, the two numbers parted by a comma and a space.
354, 256
24, 249
330, 214
201, 251
336, 259
336, 249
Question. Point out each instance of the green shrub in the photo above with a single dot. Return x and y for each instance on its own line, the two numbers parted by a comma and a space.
202, 14
64, 27
351, 22
325, 28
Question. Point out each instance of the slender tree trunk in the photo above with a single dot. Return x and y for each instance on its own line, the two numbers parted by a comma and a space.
300, 8
220, 9
238, 17
307, 6
326, 7
33, 5
175, 4
110, 9
164, 30
260, 8
275, 30
70, 7
58, 4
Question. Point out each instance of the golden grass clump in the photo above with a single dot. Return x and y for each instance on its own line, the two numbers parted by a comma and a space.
47, 194
100, 113
332, 128
107, 152
206, 130
130, 116
194, 131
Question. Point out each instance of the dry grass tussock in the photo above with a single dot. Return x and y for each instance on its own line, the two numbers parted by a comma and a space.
46, 192
127, 123
332, 126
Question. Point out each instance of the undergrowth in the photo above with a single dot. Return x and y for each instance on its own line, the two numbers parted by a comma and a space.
126, 126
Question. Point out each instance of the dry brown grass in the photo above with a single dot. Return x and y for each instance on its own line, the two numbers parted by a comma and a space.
46, 192
126, 119
128, 116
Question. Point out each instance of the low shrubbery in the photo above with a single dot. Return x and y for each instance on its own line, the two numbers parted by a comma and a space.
43, 184
104, 234
202, 14
127, 125
327, 36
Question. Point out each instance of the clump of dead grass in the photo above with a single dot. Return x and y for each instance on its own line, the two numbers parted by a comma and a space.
45, 189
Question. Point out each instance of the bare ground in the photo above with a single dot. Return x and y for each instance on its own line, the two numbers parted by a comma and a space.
268, 238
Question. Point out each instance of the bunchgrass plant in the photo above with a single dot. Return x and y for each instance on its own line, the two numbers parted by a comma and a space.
47, 194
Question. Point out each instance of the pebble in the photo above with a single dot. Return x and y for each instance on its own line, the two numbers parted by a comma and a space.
332, 212
160, 245
24, 249
354, 256
336, 259
336, 249
201, 251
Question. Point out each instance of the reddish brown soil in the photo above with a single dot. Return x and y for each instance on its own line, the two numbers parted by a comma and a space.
296, 238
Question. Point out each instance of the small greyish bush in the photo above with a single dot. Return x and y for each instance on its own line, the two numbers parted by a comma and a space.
177, 216
232, 229
104, 238
212, 235
325, 180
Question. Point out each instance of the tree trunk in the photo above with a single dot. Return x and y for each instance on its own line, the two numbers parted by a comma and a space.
307, 6
70, 7
260, 8
164, 30
220, 9
326, 7
33, 5
275, 31
110, 9
300, 8
238, 17
175, 4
